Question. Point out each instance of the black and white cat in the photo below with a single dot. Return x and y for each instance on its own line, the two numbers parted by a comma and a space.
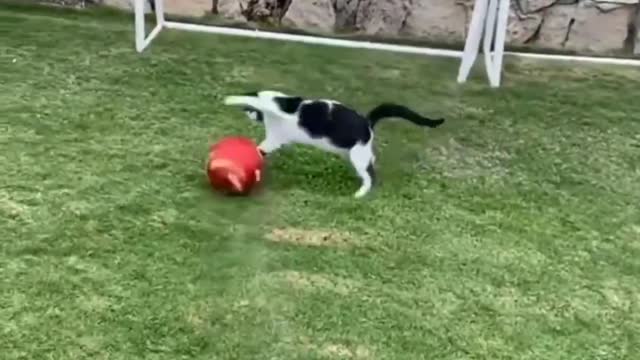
325, 124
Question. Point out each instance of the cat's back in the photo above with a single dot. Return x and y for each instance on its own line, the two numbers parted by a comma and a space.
343, 126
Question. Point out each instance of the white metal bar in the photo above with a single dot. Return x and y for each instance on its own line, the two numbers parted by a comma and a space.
159, 12
142, 40
152, 35
501, 32
472, 45
489, 32
138, 8
587, 59
312, 39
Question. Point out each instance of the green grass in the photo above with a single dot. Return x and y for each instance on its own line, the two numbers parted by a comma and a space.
512, 232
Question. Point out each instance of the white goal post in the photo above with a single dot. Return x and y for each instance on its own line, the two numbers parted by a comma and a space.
488, 25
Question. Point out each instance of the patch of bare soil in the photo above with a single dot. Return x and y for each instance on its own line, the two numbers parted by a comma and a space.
308, 281
339, 351
334, 351
13, 209
307, 344
312, 237
196, 315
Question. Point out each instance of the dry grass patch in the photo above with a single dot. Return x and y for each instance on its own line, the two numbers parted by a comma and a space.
313, 237
617, 296
307, 281
95, 304
12, 209
631, 236
460, 161
339, 351
196, 315
305, 344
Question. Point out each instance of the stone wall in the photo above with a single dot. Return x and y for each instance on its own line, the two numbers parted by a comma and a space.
582, 26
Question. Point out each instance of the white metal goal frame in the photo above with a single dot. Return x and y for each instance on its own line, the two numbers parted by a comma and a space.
488, 26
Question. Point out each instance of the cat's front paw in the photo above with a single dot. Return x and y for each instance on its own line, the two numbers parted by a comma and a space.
228, 100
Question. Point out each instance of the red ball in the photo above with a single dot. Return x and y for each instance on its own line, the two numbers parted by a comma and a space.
234, 165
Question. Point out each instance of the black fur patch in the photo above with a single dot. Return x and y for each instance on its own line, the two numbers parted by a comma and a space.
341, 125
288, 104
315, 119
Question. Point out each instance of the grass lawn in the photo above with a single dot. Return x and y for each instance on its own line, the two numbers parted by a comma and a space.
511, 232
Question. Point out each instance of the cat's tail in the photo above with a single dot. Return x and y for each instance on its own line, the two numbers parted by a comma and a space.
392, 110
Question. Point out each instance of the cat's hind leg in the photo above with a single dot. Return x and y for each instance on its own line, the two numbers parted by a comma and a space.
362, 158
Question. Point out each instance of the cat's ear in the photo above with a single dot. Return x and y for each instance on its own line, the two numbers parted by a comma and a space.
288, 104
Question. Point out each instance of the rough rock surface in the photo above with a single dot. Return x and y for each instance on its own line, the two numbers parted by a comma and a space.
533, 6
436, 20
346, 11
124, 4
597, 31
522, 27
195, 7
253, 10
556, 26
381, 17
313, 15
585, 26
174, 7
231, 9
